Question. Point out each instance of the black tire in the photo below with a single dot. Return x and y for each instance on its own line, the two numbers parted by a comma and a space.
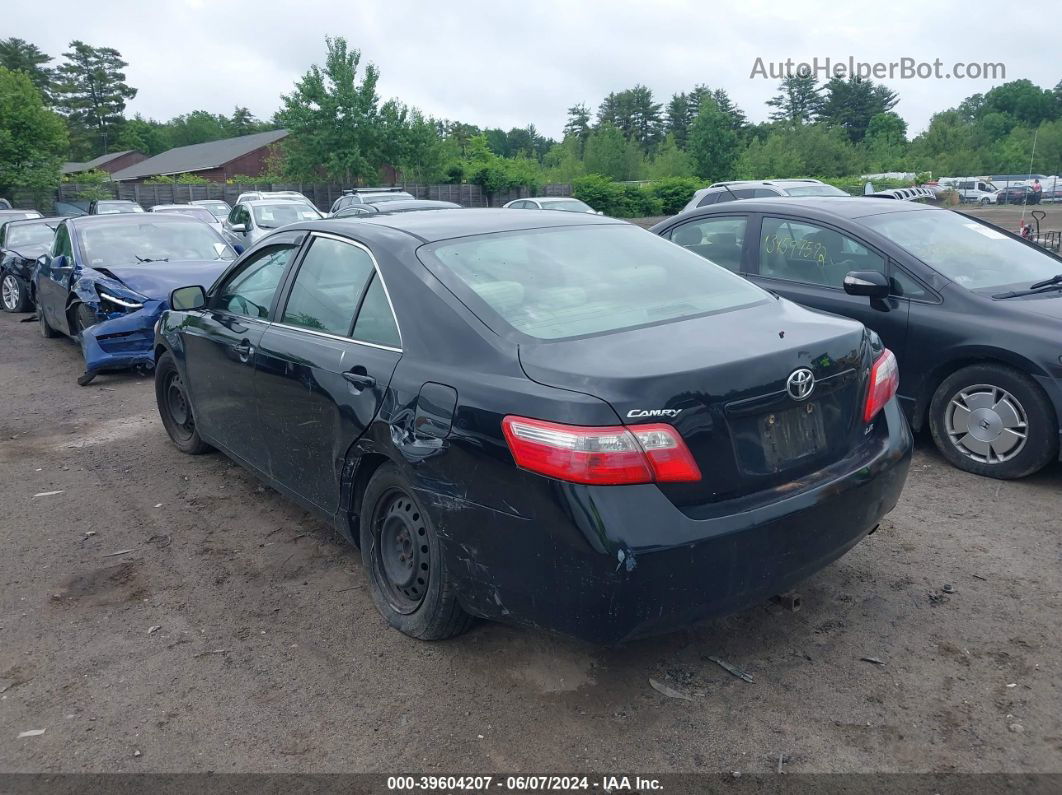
15, 294
46, 329
1015, 395
407, 574
175, 408
84, 318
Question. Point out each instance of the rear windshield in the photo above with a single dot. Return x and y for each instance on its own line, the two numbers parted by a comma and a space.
572, 281
274, 216
815, 190
570, 205
200, 213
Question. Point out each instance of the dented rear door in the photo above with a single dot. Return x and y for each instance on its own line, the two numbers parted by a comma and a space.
323, 368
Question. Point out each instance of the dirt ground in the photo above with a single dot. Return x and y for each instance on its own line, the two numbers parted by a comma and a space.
168, 613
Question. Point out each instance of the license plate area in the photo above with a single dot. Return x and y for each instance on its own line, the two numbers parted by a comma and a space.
791, 435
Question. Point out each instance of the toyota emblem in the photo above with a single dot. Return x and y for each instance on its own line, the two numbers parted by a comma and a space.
800, 384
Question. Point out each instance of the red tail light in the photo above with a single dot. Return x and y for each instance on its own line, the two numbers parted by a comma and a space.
884, 381
606, 456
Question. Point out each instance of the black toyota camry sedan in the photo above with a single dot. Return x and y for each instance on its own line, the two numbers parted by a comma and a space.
972, 312
553, 419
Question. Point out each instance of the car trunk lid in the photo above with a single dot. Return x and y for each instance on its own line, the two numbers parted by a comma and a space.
721, 381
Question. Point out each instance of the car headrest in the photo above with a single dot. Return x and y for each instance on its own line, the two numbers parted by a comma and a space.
688, 235
502, 296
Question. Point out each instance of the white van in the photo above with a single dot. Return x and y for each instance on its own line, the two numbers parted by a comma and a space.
975, 190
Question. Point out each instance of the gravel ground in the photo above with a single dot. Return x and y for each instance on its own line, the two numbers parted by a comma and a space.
168, 613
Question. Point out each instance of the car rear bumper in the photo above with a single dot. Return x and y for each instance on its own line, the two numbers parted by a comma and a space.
609, 564
126, 341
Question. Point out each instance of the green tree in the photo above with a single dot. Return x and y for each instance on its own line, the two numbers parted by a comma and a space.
634, 113
886, 142
198, 127
144, 135
21, 56
243, 122
851, 104
91, 92
332, 116
670, 161
578, 125
1022, 100
610, 154
32, 138
798, 100
713, 144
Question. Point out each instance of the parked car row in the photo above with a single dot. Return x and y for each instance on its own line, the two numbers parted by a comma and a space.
562, 420
973, 313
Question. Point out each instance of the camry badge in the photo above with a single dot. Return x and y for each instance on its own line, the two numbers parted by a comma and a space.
801, 384
637, 413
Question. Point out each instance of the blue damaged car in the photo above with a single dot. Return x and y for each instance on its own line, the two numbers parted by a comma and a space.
107, 279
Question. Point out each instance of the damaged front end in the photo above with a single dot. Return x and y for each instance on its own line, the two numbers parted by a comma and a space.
117, 329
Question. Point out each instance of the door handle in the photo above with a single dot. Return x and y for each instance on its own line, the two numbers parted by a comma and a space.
244, 350
360, 380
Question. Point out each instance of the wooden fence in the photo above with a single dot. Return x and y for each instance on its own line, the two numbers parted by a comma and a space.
322, 195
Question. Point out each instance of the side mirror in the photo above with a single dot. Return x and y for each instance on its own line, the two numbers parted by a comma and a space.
60, 262
184, 299
238, 228
869, 283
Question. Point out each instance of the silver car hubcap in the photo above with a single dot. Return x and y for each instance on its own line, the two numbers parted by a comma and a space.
10, 292
986, 424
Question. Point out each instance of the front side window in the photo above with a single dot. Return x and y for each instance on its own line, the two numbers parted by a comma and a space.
798, 251
571, 281
328, 287
249, 291
62, 247
717, 239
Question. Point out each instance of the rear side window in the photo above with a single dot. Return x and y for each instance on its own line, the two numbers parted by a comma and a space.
717, 239
709, 198
328, 287
376, 323
571, 281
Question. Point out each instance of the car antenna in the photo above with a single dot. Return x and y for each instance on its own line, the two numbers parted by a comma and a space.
1025, 204
730, 191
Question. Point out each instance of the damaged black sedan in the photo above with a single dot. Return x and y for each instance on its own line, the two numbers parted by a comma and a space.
107, 278
563, 422
21, 242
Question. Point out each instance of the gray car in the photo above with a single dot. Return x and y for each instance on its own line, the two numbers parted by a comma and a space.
252, 220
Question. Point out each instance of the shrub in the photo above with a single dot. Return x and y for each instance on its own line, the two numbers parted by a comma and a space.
615, 198
180, 179
674, 193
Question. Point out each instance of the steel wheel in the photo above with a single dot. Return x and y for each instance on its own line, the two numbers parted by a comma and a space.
403, 555
177, 406
11, 291
986, 424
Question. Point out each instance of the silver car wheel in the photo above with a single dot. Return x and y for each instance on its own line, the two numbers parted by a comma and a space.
12, 293
986, 424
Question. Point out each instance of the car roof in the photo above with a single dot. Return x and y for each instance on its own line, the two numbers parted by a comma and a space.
275, 200
133, 218
208, 201
550, 199
823, 206
447, 224
415, 204
31, 221
171, 206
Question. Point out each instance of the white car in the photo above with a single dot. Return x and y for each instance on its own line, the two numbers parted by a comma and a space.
563, 203
255, 195
252, 220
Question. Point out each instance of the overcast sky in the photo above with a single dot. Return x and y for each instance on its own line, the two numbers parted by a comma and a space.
506, 64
